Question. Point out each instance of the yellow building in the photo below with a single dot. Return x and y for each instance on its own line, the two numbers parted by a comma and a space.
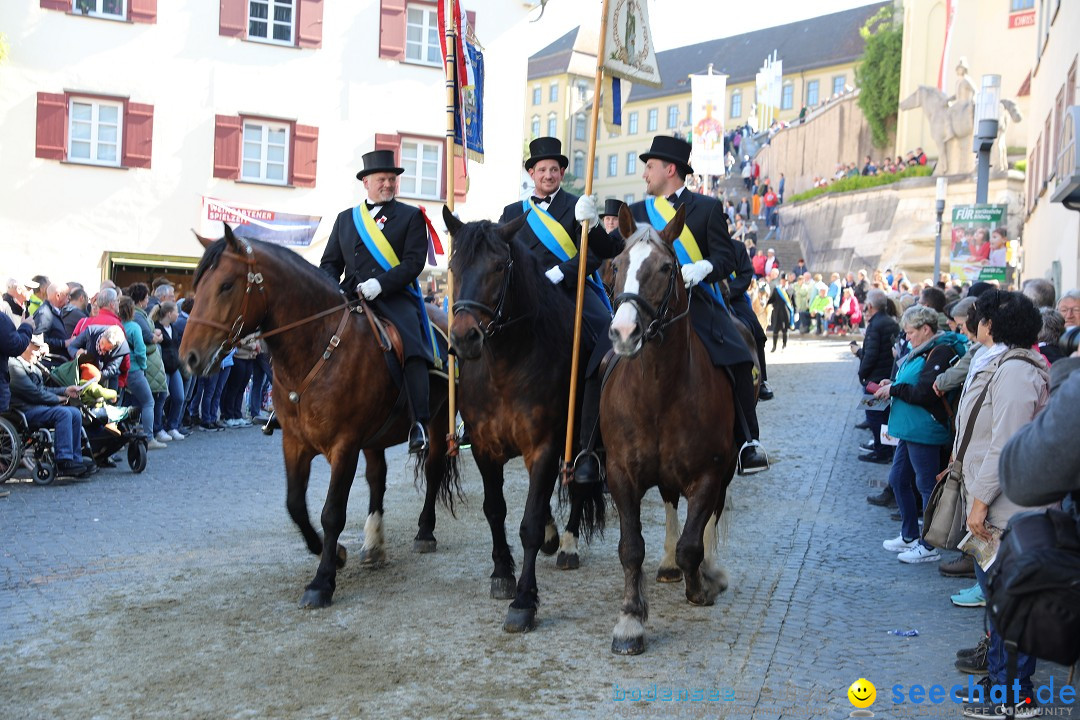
819, 57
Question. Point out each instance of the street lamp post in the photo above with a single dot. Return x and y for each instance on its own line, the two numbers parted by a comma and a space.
942, 184
986, 130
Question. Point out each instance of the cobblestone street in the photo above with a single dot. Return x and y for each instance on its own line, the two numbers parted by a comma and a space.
172, 594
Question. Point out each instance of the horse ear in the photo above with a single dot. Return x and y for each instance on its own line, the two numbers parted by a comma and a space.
507, 231
453, 223
674, 228
205, 242
230, 240
627, 226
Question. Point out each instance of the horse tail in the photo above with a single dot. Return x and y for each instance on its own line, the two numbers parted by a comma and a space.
589, 500
447, 475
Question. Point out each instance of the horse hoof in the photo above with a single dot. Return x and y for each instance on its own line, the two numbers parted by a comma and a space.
372, 557
313, 598
669, 575
342, 556
567, 561
628, 646
520, 620
503, 588
424, 546
550, 545
700, 599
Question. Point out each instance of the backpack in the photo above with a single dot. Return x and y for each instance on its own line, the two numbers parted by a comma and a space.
1033, 596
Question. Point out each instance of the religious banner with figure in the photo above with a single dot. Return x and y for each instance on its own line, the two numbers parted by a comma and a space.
708, 93
270, 226
628, 43
980, 243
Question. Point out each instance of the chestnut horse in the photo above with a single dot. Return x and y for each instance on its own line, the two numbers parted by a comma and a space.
667, 417
512, 332
333, 402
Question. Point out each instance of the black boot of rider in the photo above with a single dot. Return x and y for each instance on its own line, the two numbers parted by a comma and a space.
587, 465
752, 456
416, 388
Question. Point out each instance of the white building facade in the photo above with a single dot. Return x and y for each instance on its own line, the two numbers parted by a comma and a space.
122, 117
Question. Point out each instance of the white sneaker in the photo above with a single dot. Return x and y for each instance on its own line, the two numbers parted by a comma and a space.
919, 554
176, 434
153, 444
163, 437
233, 423
899, 544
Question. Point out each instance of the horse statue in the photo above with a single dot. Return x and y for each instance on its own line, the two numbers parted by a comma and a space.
951, 127
667, 416
333, 402
512, 332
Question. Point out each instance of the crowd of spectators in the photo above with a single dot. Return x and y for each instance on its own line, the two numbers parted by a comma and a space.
869, 166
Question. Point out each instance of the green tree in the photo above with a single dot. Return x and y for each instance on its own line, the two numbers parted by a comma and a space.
878, 74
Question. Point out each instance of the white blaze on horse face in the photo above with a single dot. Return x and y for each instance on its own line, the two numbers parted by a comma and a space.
626, 317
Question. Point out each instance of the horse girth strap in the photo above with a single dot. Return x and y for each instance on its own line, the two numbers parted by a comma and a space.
335, 340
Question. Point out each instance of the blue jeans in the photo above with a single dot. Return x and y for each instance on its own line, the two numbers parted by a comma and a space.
232, 398
66, 422
996, 661
915, 468
212, 400
175, 404
260, 378
138, 393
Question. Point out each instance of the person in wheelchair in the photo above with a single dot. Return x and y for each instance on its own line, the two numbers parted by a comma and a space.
48, 407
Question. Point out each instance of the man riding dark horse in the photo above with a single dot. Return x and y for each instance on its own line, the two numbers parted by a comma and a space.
708, 256
553, 233
381, 246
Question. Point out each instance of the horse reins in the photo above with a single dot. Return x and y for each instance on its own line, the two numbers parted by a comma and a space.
497, 322
660, 318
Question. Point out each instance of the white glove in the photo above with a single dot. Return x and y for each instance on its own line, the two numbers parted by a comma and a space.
693, 273
370, 289
586, 210
555, 275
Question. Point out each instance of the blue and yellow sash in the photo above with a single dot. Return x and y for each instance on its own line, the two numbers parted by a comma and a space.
686, 246
383, 252
787, 302
558, 242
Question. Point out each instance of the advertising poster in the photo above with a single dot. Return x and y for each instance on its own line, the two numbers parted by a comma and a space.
979, 247
258, 223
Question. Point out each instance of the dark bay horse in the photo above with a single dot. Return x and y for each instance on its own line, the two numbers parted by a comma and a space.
666, 414
333, 402
512, 332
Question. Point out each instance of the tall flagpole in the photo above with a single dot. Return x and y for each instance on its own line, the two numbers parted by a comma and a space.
451, 74
583, 250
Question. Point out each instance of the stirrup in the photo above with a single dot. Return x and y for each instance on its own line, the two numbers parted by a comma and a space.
599, 465
423, 447
751, 471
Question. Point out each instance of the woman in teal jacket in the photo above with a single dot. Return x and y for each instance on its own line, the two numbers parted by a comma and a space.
920, 420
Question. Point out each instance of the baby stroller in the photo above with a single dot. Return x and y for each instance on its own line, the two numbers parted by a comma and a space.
107, 429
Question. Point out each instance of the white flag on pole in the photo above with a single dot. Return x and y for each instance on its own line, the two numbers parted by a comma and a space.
708, 94
628, 43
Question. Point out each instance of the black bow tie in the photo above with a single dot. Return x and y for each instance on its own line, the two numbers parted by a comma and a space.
539, 200
371, 205
673, 198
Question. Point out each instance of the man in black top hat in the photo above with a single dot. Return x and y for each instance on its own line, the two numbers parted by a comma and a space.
388, 282
667, 163
546, 166
610, 216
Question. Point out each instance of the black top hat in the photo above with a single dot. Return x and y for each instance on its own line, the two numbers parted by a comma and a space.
546, 148
672, 150
378, 161
612, 207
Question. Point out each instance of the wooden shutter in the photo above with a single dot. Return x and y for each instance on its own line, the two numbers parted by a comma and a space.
309, 24
388, 142
232, 18
51, 126
56, 4
305, 155
392, 29
138, 135
227, 130
143, 11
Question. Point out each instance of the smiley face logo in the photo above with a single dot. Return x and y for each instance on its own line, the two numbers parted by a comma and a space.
862, 693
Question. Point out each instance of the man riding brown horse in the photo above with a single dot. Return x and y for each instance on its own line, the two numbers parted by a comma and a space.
381, 246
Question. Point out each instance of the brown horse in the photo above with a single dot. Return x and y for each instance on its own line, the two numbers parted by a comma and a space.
333, 402
667, 417
512, 333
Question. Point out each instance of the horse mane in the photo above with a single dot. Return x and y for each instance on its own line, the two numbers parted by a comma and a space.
310, 275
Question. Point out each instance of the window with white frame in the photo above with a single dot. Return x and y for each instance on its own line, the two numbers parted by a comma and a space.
94, 131
628, 198
787, 96
812, 93
838, 85
422, 162
631, 125
553, 92
654, 116
631, 162
579, 164
736, 104
553, 124
579, 126
271, 20
113, 9
537, 94
266, 152
672, 117
422, 36
613, 165
535, 126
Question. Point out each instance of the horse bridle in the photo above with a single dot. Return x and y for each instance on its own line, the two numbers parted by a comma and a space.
660, 317
498, 320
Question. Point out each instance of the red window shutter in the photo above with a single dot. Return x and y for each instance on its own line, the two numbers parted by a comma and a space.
232, 18
305, 155
227, 129
143, 11
138, 135
51, 126
388, 142
309, 24
461, 186
56, 4
392, 29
